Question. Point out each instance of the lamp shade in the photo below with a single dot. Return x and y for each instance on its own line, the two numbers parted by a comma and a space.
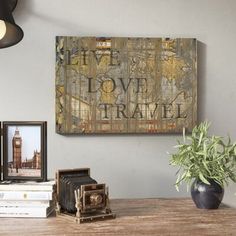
10, 32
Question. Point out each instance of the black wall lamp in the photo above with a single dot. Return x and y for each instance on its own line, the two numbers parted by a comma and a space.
10, 32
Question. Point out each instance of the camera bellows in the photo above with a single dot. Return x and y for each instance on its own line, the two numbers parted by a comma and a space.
69, 183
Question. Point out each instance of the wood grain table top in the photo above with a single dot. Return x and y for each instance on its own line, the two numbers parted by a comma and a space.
134, 217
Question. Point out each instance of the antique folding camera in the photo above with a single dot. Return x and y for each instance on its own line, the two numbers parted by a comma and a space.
81, 196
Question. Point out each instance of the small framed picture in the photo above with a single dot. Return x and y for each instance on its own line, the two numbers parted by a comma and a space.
0, 151
25, 150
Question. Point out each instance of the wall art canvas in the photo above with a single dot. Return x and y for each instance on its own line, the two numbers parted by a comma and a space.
125, 85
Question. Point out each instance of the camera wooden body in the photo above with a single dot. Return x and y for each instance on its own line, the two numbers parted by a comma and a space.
79, 196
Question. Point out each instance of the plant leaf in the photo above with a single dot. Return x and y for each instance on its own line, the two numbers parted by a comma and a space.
203, 179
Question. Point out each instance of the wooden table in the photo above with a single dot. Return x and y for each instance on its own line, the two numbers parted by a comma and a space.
135, 217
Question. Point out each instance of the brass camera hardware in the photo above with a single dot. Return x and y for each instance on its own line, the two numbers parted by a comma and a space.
79, 196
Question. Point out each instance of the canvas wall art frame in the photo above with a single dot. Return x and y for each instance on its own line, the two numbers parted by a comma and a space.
25, 150
125, 85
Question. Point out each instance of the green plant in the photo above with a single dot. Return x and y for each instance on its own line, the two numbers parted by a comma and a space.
204, 157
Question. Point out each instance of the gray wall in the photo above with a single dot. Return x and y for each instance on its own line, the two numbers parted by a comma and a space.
133, 166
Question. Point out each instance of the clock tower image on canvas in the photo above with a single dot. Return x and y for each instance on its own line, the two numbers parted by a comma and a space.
16, 147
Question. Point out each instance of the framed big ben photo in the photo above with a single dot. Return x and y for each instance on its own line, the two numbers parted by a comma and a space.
24, 151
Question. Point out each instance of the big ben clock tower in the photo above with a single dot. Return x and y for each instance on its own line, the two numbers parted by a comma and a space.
16, 148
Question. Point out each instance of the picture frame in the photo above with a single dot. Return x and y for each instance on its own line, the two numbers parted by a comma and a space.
25, 150
1, 164
125, 85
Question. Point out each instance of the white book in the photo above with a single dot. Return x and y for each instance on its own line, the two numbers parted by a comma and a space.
23, 203
38, 212
27, 186
25, 195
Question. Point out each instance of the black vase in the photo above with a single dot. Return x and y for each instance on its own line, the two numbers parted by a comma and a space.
207, 196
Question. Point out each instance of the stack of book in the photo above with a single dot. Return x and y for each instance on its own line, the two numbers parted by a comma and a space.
26, 199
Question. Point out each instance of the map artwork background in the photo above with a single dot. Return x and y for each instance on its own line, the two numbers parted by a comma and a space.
125, 85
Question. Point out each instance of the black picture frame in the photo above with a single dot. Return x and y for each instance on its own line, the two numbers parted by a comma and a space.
1, 164
28, 168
